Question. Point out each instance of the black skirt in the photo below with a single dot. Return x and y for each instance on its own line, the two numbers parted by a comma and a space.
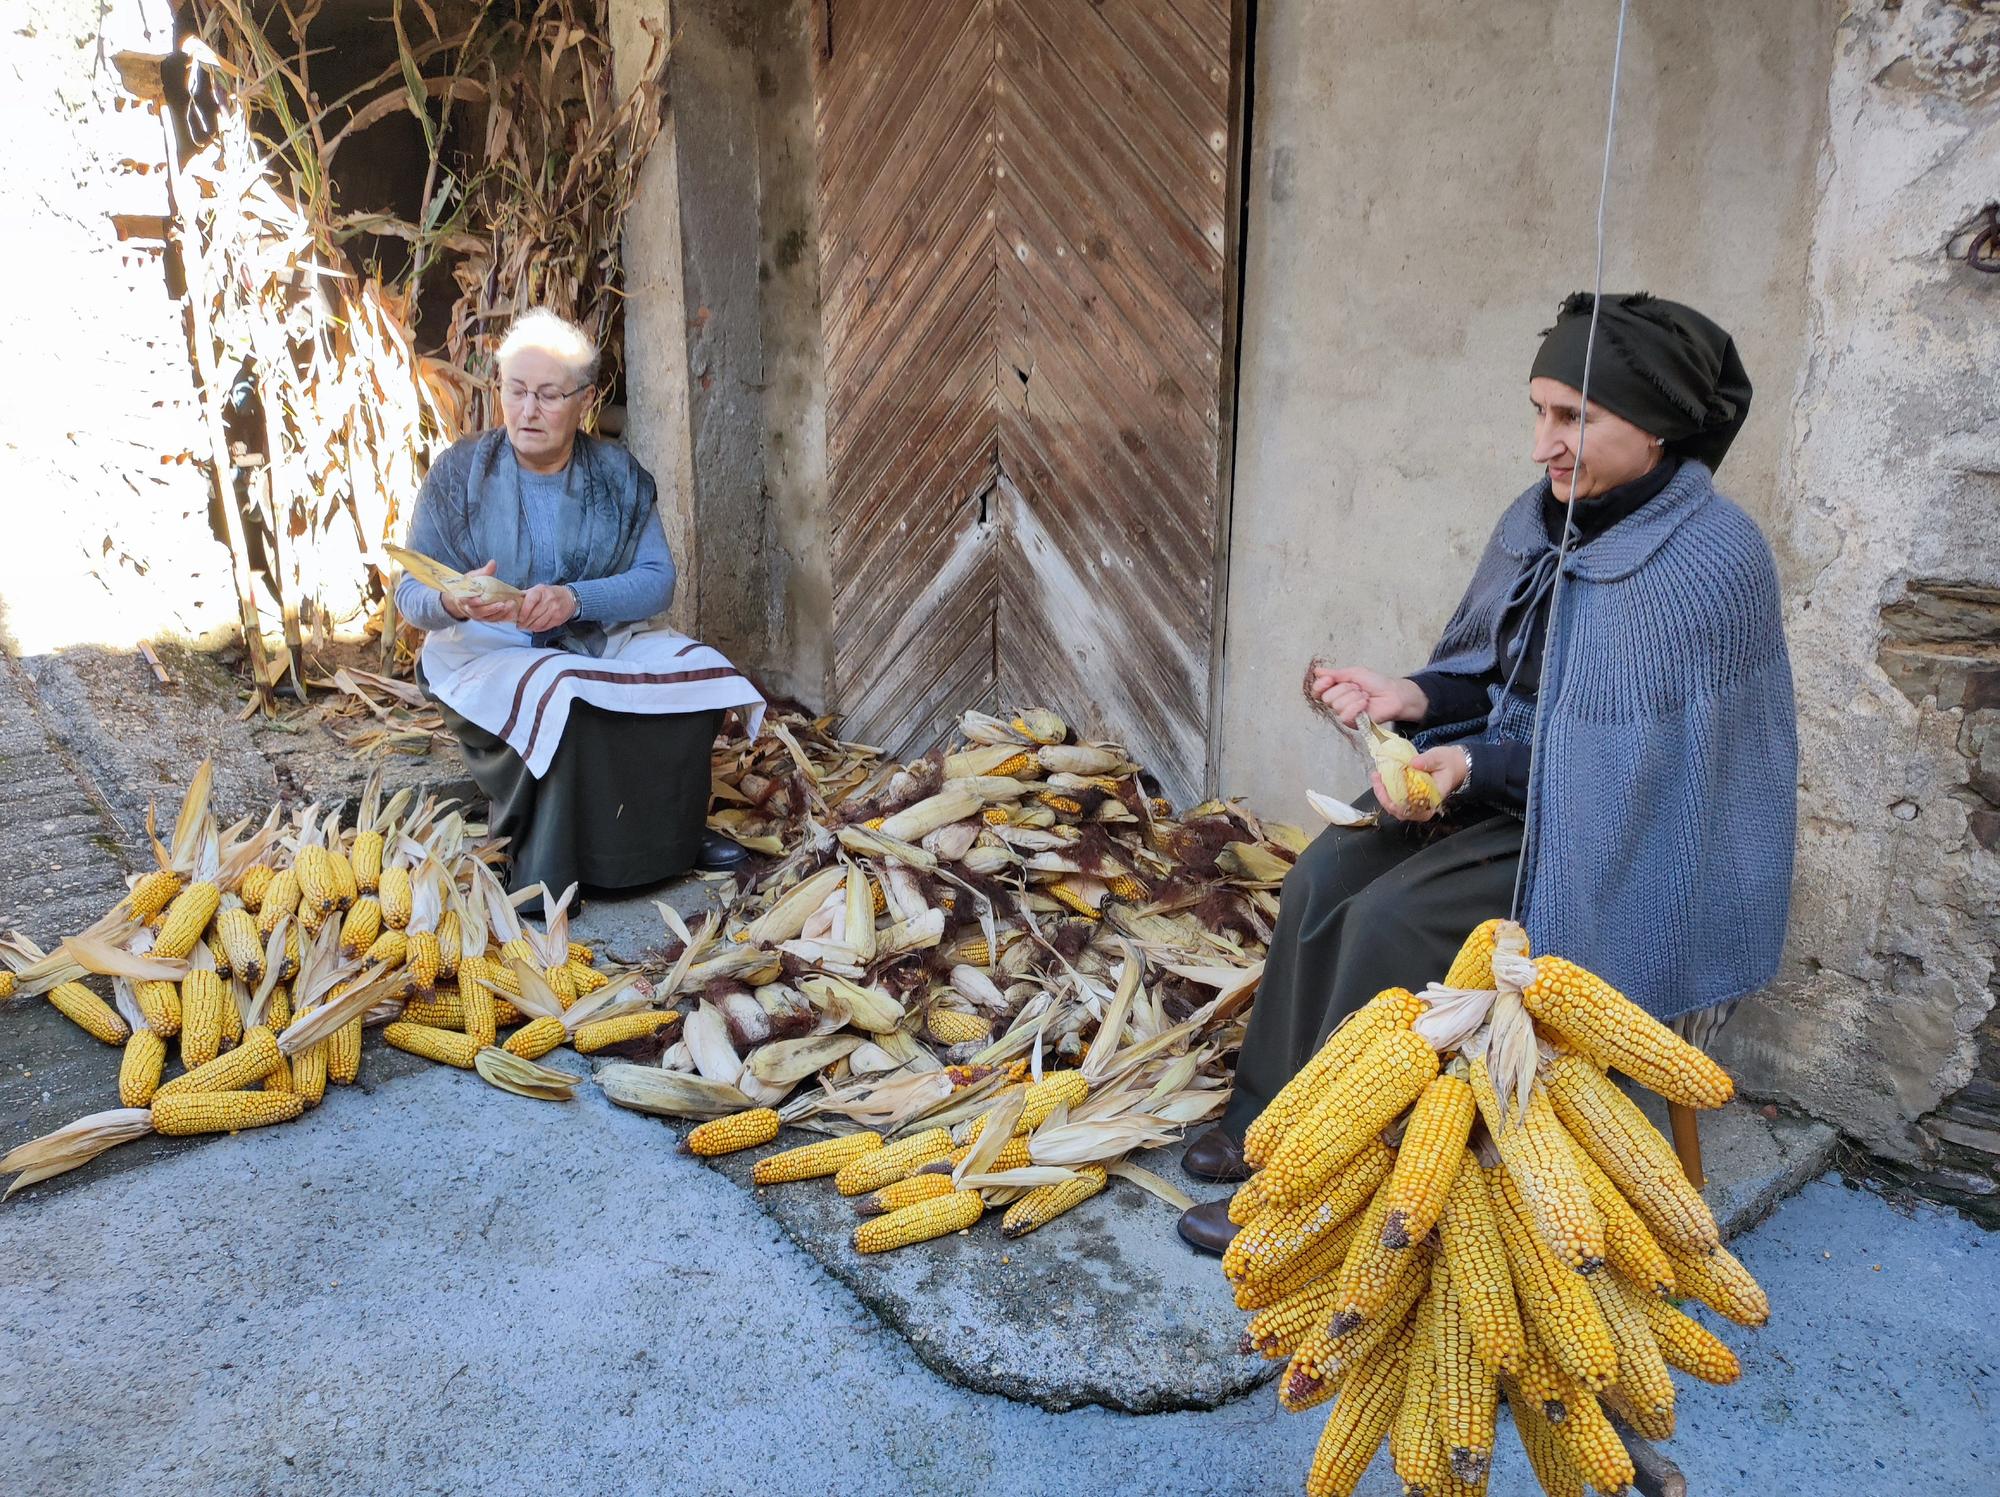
623, 804
1366, 909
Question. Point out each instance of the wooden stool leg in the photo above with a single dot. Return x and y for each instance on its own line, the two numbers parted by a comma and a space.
1687, 1141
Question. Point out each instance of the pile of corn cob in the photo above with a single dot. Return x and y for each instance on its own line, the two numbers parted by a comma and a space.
1454, 1203
255, 956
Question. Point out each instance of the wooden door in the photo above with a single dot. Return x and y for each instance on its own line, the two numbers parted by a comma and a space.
1027, 219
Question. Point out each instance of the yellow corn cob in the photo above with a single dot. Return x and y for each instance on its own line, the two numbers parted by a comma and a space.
1393, 1008
290, 967
1357, 1103
505, 1015
254, 884
139, 1068
361, 925
279, 1080
994, 816
601, 1034
582, 954
1055, 1089
1590, 1015
245, 1066
1537, 1153
584, 980
1355, 1428
1277, 1329
1642, 1379
424, 961
392, 946
1017, 1071
479, 1016
1015, 765
1372, 1272
1553, 1468
1247, 1202
309, 1073
217, 952
1323, 1358
1556, 1300
1045, 1203
160, 1003
186, 1113
952, 1026
1279, 1235
1719, 1280
204, 1000
1689, 1345
366, 859
518, 950
442, 1045
538, 1037
186, 918
1629, 1246
1415, 1448
886, 1165
919, 1223
1467, 1394
1064, 895
1420, 790
1588, 1439
1473, 966
152, 892
975, 953
445, 1011
232, 1021
740, 1130
1127, 888
1476, 1259
89, 1013
1614, 1132
6, 984
340, 871
279, 1011
319, 889
1068, 805
561, 983
1013, 1155
281, 899
237, 930
1655, 1427
395, 894
343, 1053
907, 1192
449, 942
1542, 1380
1322, 1261
813, 1161
1427, 1160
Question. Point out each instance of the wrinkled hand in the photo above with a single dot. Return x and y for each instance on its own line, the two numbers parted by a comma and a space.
473, 608
1350, 690
548, 605
1448, 766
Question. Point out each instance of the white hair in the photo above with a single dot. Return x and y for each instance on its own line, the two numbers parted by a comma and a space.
545, 332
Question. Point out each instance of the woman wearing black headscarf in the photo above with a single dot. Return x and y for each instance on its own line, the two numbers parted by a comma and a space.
1669, 693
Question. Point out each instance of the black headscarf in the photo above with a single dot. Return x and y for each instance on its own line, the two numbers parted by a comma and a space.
1662, 366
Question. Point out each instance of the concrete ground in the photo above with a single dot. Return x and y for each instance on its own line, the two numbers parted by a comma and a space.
438, 1288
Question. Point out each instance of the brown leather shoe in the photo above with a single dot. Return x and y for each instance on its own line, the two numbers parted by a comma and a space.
1216, 1156
1207, 1228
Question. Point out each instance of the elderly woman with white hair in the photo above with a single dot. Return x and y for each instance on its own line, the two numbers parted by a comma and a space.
587, 727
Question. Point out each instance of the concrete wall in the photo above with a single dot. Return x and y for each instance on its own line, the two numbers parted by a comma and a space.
1423, 180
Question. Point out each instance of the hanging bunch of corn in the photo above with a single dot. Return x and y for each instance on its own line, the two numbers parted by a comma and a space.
1454, 1203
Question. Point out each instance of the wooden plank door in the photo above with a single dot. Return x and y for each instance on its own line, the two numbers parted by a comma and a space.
1027, 231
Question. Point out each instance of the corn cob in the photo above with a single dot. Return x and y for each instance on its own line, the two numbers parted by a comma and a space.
974, 953
1248, 1200
1689, 1345
309, 1073
346, 887
278, 1013
218, 954
951, 1026
812, 1161
1323, 1358
343, 1053
539, 1036
319, 889
1427, 1160
1590, 1015
582, 955
1420, 790
1537, 1154
1553, 1468
1045, 1203
1630, 1151
390, 947
160, 1003
906, 1192
1055, 1089
236, 930
1719, 1280
518, 950
361, 925
152, 892
139, 1068
1357, 1103
396, 897
1473, 966
187, 1113
1415, 1449
444, 1011
1016, 765
1393, 1008
89, 1013
740, 1130
1372, 1272
279, 1080
1556, 1300
255, 884
449, 941
280, 901
479, 1016
1280, 1234
919, 1223
186, 918
584, 980
1542, 1380
441, 1045
886, 1165
366, 860
1657, 1426
1361, 1418
424, 961
203, 1001
245, 1066
6, 984
561, 983
1321, 1262
1467, 1394
1588, 1439
290, 967
232, 1020
1642, 1372
1629, 1246
505, 1015
1277, 1329
1013, 1155
1476, 1259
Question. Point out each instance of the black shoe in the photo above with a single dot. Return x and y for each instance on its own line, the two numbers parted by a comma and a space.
1207, 1228
719, 854
1216, 1156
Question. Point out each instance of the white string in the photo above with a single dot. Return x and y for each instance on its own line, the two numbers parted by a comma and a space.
1569, 509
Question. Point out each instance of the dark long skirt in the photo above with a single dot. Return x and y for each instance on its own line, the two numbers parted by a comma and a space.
623, 804
1365, 909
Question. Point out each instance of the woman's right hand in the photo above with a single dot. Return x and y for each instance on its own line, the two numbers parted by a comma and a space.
482, 612
1350, 690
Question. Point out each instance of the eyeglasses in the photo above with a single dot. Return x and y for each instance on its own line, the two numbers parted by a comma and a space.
521, 395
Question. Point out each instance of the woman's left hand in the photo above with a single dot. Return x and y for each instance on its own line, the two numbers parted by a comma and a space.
1448, 766
546, 606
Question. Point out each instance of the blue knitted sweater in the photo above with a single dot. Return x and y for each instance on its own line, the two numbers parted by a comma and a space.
1662, 797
